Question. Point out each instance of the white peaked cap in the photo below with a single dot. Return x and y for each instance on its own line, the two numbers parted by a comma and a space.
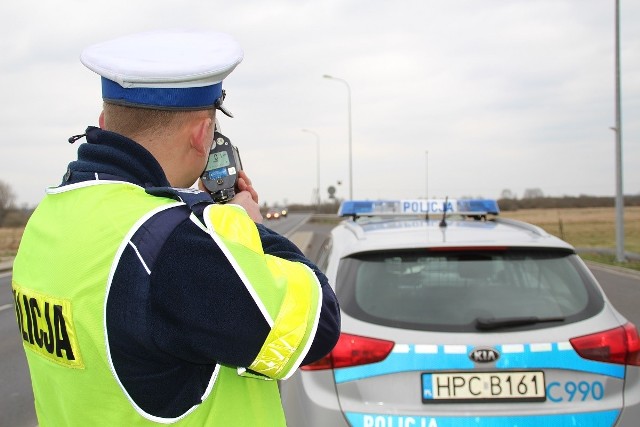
170, 69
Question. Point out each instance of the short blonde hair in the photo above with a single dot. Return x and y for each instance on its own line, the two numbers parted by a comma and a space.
135, 121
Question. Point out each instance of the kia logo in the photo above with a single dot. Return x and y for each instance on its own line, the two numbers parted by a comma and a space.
484, 355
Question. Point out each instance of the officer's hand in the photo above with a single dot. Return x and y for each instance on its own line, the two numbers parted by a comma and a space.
244, 184
247, 201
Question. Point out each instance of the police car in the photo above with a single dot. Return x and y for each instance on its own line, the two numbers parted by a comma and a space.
453, 316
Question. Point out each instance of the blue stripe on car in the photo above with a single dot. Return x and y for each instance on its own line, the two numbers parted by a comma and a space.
599, 419
558, 356
405, 358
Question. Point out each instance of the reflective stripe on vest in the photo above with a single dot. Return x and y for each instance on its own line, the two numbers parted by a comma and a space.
287, 293
68, 254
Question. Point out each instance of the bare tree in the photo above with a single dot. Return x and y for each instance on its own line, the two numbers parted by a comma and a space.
533, 193
507, 194
7, 200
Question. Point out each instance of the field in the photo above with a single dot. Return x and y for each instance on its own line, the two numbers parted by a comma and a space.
584, 228
9, 241
588, 228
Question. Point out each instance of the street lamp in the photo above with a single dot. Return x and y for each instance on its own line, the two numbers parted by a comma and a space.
326, 76
317, 165
620, 256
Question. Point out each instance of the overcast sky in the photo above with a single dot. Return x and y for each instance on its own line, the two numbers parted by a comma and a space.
502, 94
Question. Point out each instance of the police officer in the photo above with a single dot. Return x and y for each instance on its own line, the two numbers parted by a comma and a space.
139, 300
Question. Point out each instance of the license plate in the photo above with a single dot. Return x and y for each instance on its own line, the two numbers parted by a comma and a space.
483, 386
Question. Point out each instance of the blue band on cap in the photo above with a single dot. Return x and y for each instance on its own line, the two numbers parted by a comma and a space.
163, 98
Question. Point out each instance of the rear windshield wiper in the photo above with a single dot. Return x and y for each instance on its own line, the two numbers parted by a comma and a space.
491, 323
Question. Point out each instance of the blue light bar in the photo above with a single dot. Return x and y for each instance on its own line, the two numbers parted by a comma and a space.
418, 207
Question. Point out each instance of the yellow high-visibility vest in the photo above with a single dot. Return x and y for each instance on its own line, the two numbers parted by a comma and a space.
61, 279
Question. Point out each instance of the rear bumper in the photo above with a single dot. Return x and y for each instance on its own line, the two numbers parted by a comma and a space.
630, 415
309, 400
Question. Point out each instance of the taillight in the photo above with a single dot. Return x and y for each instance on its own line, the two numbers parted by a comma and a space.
353, 350
620, 345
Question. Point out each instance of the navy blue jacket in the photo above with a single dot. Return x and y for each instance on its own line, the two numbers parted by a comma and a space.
174, 316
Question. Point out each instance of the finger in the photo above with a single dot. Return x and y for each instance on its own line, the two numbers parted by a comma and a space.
242, 184
253, 192
242, 174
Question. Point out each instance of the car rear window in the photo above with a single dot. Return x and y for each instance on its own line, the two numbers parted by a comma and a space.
451, 290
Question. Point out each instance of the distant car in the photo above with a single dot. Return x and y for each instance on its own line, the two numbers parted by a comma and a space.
273, 214
462, 318
276, 213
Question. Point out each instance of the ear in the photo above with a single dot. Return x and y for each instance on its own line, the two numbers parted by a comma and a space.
101, 120
200, 134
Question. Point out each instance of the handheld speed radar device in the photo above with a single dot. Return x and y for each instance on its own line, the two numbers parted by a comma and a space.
220, 176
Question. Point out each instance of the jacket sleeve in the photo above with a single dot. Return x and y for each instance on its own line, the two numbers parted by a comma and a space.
328, 329
199, 309
219, 296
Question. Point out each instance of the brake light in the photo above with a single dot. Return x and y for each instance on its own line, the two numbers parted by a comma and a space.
620, 345
353, 350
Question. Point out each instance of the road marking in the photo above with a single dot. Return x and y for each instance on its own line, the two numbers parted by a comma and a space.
297, 226
5, 307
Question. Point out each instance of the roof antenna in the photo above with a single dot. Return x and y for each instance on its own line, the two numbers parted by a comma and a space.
443, 223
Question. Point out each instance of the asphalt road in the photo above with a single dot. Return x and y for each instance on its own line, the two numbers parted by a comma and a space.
16, 396
16, 401
622, 287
